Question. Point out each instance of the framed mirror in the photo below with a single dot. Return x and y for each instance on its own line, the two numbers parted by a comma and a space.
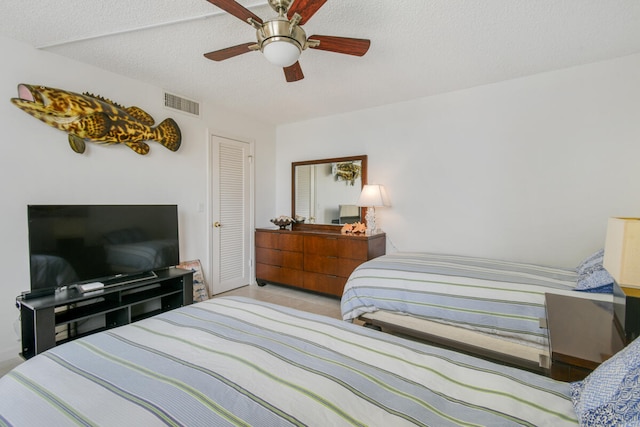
324, 192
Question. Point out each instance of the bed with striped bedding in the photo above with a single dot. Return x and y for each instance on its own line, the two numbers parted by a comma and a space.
237, 361
496, 298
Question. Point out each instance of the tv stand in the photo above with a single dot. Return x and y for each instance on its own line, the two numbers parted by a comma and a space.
51, 320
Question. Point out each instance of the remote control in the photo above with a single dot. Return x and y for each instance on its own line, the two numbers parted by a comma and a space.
86, 287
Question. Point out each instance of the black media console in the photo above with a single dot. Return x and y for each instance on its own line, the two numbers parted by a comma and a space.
51, 320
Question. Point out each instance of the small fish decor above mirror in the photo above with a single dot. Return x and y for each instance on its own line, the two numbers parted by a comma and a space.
88, 117
346, 171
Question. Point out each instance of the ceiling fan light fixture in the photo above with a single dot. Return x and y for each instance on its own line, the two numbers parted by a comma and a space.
281, 41
281, 51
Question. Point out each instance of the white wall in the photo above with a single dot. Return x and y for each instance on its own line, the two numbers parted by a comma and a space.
527, 169
38, 167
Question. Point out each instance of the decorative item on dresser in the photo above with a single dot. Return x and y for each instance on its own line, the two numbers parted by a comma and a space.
320, 260
283, 221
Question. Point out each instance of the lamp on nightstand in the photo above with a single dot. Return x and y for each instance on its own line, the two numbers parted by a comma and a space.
372, 196
622, 261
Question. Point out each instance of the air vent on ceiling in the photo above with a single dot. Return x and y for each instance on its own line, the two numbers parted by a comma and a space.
179, 103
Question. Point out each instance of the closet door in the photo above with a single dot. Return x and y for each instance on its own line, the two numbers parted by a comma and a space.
231, 214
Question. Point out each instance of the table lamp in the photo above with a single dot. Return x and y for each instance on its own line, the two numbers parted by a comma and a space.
372, 196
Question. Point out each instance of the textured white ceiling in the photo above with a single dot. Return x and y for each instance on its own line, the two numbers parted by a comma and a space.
418, 47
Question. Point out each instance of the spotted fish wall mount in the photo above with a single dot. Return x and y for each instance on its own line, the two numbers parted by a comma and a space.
89, 117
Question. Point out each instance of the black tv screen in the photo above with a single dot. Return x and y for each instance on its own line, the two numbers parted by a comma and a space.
71, 244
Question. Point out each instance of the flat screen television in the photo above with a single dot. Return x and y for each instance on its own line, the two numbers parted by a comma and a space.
71, 244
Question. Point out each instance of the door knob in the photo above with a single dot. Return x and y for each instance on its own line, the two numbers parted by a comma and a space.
217, 224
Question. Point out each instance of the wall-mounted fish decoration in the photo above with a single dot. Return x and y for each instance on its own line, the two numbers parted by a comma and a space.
89, 117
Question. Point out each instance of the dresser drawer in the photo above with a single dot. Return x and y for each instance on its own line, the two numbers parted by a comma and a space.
286, 276
279, 258
342, 267
321, 264
322, 245
354, 249
283, 241
324, 283
346, 266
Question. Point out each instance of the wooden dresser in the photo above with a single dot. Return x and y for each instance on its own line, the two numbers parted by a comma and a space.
319, 261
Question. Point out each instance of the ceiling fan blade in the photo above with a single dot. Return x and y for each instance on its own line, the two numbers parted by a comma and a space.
305, 8
229, 52
293, 73
235, 9
346, 45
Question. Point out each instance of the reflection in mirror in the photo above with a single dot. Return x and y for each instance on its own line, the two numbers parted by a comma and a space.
325, 191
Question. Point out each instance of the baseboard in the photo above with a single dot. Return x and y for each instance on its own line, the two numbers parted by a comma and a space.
10, 354
6, 367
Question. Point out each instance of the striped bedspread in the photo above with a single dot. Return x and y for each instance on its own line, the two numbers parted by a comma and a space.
239, 362
499, 298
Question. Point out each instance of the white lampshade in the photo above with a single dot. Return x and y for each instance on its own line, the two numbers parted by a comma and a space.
622, 251
281, 52
373, 195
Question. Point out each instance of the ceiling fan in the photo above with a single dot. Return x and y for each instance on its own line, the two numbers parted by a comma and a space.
282, 39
